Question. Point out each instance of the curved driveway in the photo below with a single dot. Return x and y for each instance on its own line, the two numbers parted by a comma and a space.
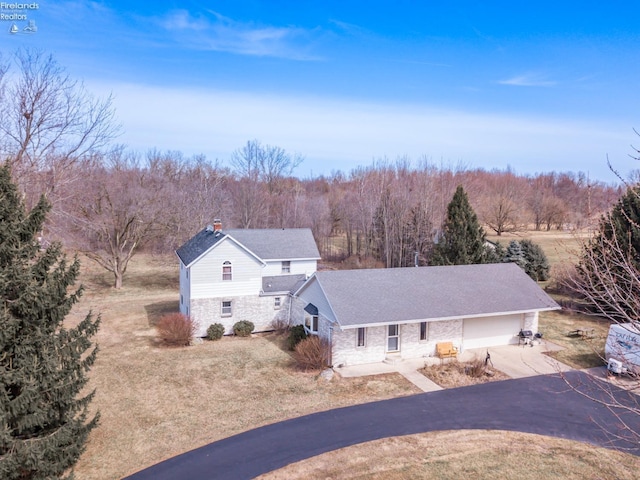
544, 405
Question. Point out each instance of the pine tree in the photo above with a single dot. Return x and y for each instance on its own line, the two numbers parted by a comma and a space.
514, 254
537, 266
44, 420
463, 240
608, 270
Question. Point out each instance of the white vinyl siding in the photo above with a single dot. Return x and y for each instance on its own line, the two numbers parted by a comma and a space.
312, 293
206, 273
296, 267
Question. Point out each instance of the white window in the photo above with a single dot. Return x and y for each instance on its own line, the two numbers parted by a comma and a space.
424, 330
312, 323
286, 267
226, 310
277, 303
360, 337
226, 271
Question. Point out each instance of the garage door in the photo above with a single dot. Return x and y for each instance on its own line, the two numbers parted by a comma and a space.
490, 332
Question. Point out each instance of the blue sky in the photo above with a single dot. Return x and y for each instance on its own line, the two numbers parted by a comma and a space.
535, 86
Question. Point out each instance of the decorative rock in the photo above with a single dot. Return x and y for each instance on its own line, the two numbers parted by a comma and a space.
196, 341
327, 375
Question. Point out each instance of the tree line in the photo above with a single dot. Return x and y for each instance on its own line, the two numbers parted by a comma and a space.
109, 202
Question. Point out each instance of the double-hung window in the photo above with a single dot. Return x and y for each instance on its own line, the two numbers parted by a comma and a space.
226, 309
226, 271
286, 266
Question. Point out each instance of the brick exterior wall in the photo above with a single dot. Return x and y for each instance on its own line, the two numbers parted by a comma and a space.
531, 322
259, 310
345, 352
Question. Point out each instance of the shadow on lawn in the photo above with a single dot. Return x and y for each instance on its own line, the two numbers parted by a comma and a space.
156, 310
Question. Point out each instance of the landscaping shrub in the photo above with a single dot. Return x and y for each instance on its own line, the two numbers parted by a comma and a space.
243, 328
215, 331
176, 329
296, 335
476, 368
280, 325
312, 353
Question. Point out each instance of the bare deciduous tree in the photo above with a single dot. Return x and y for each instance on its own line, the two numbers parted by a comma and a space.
119, 212
48, 121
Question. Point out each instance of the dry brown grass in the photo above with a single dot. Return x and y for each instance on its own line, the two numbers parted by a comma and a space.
578, 352
558, 246
452, 374
465, 454
157, 402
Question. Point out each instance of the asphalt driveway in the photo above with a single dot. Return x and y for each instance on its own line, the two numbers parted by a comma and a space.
543, 404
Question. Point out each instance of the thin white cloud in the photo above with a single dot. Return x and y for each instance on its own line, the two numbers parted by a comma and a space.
351, 28
338, 134
212, 31
528, 80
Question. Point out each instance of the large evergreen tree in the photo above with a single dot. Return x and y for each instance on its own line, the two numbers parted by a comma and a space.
463, 240
537, 266
515, 254
44, 418
608, 272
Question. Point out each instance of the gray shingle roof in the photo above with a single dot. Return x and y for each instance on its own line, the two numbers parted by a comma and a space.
267, 244
282, 283
198, 244
278, 244
363, 297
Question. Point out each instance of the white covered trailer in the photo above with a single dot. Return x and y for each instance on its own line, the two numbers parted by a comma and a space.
622, 349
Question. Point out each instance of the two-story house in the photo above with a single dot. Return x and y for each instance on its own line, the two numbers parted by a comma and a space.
232, 275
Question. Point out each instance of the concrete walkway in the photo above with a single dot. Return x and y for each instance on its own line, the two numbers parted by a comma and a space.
516, 361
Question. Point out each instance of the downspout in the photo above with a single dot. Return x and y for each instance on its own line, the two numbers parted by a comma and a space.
331, 345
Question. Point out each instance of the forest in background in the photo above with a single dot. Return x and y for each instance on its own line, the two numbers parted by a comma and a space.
109, 202
112, 205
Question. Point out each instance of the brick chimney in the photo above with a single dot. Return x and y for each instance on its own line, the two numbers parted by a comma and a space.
217, 225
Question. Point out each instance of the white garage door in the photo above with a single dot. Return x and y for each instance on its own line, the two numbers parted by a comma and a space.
491, 331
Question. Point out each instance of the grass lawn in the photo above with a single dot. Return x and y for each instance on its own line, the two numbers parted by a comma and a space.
558, 245
156, 402
465, 454
578, 352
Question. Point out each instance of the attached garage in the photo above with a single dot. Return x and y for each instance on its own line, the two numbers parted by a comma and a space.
491, 331
366, 314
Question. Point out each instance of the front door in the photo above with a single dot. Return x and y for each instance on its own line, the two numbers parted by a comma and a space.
393, 338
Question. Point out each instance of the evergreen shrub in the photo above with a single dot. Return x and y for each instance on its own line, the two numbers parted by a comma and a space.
215, 331
243, 328
297, 333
